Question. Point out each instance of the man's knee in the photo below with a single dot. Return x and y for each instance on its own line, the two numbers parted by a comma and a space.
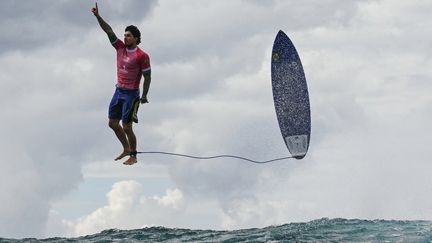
127, 127
113, 124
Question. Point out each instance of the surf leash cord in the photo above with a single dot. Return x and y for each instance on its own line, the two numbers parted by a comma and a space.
214, 157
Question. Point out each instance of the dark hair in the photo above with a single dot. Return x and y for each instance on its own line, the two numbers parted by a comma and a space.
135, 32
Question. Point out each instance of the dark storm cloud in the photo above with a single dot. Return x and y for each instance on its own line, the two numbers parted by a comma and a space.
30, 24
45, 48
211, 94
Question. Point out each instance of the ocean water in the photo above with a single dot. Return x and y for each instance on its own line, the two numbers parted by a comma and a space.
321, 230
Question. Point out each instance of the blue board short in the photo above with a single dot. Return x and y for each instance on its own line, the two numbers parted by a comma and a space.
124, 105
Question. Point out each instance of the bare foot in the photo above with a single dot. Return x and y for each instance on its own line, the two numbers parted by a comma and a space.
122, 155
132, 160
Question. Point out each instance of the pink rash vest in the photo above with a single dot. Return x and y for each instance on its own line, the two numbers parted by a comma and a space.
131, 64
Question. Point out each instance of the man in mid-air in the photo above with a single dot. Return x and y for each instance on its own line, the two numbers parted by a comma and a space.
132, 62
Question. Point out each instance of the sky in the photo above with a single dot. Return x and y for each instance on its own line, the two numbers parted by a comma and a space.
368, 67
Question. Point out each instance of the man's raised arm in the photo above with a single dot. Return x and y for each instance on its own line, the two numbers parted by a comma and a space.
105, 27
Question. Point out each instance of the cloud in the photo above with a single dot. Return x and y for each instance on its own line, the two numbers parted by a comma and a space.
27, 25
368, 83
28, 184
52, 107
127, 207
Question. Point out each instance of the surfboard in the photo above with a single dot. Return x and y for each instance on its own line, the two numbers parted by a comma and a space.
290, 95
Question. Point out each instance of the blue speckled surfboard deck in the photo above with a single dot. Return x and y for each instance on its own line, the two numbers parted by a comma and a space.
290, 95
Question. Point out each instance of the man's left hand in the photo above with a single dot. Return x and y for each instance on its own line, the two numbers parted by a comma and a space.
144, 100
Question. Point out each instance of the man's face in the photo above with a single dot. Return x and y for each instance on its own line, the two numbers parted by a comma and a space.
129, 40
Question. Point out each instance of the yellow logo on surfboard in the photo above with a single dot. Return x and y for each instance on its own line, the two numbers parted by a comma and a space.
275, 57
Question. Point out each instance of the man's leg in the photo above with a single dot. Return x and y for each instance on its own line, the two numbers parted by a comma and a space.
127, 127
121, 135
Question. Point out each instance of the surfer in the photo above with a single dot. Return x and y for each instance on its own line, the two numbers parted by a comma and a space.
132, 62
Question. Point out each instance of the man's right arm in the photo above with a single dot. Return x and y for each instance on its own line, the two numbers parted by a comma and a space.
104, 25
